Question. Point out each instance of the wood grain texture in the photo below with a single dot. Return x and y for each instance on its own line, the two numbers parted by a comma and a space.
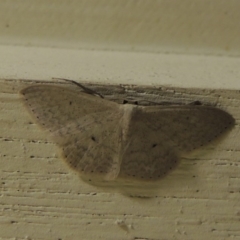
42, 199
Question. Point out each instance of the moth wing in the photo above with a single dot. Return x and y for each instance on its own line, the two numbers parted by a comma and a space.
159, 135
86, 127
54, 107
92, 145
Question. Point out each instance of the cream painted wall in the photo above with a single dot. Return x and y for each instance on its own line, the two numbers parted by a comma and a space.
186, 43
187, 26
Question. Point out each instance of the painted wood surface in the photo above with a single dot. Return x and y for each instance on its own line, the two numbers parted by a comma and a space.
41, 198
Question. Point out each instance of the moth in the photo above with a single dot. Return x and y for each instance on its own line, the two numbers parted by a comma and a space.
104, 140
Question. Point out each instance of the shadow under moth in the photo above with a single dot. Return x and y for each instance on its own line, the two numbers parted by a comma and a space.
104, 141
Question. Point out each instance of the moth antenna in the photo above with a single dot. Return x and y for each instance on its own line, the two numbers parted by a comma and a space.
86, 90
